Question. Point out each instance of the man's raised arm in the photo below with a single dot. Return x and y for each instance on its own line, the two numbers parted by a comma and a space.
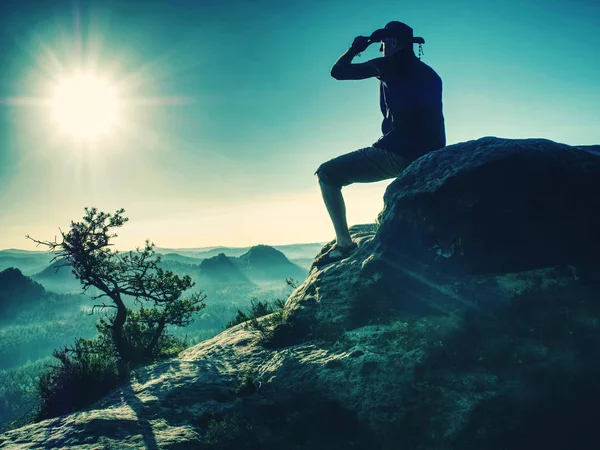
343, 69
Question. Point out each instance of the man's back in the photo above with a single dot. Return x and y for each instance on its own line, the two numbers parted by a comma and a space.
411, 104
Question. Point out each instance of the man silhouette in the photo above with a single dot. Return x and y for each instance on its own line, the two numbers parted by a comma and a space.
413, 123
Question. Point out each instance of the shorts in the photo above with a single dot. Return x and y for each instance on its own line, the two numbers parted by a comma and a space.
366, 165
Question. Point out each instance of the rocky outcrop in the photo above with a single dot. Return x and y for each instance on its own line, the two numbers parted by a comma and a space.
485, 207
496, 205
469, 318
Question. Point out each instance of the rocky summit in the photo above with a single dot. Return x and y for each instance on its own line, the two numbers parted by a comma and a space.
468, 318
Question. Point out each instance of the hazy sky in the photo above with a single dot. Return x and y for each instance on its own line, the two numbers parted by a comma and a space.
228, 107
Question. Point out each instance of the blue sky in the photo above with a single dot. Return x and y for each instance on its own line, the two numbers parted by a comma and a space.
236, 109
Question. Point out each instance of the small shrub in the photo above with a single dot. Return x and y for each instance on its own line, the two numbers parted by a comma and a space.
262, 318
257, 309
228, 433
85, 374
90, 370
260, 309
241, 317
248, 384
265, 326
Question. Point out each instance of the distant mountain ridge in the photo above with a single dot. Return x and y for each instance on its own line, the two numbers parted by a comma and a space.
29, 262
263, 263
221, 269
258, 264
56, 269
22, 252
291, 251
17, 290
263, 254
180, 258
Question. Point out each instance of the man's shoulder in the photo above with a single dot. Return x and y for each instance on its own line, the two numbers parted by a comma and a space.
426, 68
385, 64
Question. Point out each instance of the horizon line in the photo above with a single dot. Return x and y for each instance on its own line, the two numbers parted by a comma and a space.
207, 248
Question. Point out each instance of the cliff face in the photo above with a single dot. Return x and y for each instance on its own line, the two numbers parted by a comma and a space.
468, 319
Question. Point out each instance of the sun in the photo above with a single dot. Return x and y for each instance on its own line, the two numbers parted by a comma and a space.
85, 106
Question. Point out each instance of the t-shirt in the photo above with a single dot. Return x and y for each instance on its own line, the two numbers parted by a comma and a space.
411, 104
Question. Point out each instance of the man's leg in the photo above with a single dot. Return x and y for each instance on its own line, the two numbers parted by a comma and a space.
334, 202
366, 165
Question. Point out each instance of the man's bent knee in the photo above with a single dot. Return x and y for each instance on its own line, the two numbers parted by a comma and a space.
324, 176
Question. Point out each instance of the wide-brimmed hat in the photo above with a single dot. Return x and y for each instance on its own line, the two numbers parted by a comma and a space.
397, 30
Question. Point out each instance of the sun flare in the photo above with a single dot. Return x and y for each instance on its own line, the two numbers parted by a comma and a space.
85, 106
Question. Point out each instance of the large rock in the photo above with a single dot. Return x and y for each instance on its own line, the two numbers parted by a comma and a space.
410, 343
496, 205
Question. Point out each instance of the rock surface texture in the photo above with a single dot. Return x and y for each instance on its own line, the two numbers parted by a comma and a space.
468, 318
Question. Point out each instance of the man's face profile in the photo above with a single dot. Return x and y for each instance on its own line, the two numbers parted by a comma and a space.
389, 46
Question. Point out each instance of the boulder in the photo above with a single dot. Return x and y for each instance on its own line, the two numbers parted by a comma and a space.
496, 205
468, 318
